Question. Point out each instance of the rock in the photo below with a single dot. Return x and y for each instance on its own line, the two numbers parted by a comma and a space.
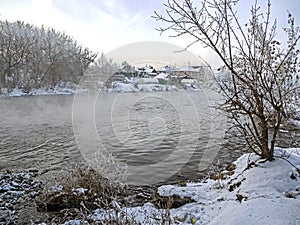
293, 176
35, 171
240, 197
15, 190
233, 186
6, 216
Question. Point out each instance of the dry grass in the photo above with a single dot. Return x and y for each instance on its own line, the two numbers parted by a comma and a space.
84, 191
99, 188
83, 186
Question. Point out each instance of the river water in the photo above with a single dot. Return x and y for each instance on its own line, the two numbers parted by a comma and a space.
157, 135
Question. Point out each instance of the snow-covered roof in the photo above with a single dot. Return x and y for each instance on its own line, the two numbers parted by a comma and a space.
150, 70
188, 68
166, 69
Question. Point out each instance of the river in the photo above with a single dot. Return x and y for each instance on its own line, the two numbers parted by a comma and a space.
158, 135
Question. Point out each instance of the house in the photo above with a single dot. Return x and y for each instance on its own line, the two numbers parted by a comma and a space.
190, 72
166, 69
148, 71
163, 78
128, 71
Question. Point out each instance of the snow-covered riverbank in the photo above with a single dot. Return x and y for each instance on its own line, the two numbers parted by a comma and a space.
257, 192
70, 88
252, 192
63, 88
122, 87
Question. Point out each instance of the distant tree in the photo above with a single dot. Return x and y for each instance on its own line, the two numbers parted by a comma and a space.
34, 57
125, 64
106, 65
102, 62
13, 53
264, 83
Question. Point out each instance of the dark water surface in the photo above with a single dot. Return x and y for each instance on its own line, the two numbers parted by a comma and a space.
159, 135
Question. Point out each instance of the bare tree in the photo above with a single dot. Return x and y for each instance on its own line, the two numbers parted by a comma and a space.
264, 85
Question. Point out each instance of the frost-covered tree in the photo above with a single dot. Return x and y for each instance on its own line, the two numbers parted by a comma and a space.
264, 84
13, 51
106, 65
38, 57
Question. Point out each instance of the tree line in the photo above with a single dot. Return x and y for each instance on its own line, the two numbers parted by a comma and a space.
33, 57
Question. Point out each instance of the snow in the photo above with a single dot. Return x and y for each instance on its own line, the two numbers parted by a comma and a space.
145, 87
149, 80
258, 192
296, 123
132, 84
162, 76
263, 190
122, 87
62, 88
72, 222
16, 92
146, 214
79, 191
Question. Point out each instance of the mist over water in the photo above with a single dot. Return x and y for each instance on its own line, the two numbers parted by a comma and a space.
36, 133
157, 134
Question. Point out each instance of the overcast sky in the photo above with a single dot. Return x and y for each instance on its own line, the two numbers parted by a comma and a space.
103, 25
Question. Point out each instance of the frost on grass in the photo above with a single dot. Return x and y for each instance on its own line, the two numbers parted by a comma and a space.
85, 189
109, 167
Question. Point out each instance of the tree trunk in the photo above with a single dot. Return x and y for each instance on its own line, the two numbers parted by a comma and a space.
266, 153
2, 80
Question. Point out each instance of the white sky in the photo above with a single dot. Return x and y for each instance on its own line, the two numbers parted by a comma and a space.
103, 25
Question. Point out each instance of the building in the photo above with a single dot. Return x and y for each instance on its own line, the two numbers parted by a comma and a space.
192, 72
148, 71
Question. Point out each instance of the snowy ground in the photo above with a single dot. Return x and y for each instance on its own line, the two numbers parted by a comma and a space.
252, 192
262, 193
257, 192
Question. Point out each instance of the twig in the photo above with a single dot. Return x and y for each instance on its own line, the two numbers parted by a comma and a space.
85, 208
280, 157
